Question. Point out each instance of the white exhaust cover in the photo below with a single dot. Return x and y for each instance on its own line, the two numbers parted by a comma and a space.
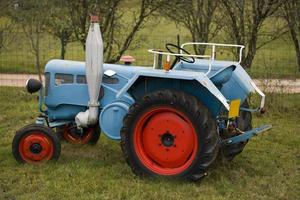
94, 74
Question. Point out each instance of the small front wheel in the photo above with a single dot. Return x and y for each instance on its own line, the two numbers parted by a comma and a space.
35, 144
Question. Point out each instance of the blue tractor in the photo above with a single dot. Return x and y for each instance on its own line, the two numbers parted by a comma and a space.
171, 120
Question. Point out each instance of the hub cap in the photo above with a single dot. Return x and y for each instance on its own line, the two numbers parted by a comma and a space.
165, 141
36, 147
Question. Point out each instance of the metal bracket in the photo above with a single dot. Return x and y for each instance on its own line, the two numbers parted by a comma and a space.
246, 135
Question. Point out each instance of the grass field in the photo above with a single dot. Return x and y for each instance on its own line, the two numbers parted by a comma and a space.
267, 169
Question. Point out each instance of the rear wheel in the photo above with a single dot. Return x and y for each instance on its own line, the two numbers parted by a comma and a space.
244, 123
169, 133
34, 144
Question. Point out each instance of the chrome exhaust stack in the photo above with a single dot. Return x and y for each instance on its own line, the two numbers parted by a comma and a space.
94, 74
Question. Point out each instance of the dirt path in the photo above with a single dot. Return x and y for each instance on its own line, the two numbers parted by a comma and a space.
279, 85
267, 85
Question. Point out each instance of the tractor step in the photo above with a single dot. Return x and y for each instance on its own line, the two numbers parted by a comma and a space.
245, 135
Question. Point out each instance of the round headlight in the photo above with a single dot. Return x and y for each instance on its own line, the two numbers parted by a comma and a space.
33, 85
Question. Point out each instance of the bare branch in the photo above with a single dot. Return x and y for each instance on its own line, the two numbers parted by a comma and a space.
198, 16
247, 19
292, 17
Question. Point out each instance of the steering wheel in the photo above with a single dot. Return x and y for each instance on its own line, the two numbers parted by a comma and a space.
179, 49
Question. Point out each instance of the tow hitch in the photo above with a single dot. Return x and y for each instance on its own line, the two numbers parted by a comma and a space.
246, 135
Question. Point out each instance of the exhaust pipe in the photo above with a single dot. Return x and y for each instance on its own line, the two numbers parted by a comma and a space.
94, 74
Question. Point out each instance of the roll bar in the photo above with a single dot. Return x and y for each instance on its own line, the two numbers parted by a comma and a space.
211, 57
214, 45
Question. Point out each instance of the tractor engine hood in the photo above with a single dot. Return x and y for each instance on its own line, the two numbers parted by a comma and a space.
94, 74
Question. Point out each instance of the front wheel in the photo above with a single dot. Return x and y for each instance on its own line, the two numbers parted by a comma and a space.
169, 133
35, 144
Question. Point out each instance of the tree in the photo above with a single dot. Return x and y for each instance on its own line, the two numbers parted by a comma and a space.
32, 15
198, 16
60, 25
246, 19
292, 17
118, 36
6, 27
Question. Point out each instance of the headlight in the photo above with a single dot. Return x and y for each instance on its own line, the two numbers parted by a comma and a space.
33, 85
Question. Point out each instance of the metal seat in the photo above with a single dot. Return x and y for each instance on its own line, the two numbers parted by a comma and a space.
222, 76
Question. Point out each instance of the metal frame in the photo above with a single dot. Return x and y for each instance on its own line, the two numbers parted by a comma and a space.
212, 57
214, 45
262, 101
263, 96
246, 135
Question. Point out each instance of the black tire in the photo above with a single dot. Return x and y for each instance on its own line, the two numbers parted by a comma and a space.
64, 134
244, 123
202, 122
96, 136
25, 136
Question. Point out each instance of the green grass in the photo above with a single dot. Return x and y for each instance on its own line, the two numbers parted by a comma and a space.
267, 169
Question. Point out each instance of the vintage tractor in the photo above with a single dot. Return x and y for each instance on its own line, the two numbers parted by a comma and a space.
172, 120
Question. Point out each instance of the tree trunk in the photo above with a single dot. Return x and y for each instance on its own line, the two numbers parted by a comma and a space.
1, 40
247, 62
38, 67
37, 56
63, 45
62, 51
199, 49
296, 45
298, 55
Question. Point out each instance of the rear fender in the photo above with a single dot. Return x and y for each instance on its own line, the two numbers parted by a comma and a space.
196, 84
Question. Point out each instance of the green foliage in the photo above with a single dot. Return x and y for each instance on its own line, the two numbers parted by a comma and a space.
268, 168
6, 26
23, 51
118, 36
292, 17
197, 16
60, 24
32, 16
30, 13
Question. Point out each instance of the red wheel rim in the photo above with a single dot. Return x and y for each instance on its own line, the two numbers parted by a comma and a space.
165, 141
36, 147
77, 139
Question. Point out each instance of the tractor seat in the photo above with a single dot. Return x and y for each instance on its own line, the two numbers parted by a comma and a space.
222, 76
